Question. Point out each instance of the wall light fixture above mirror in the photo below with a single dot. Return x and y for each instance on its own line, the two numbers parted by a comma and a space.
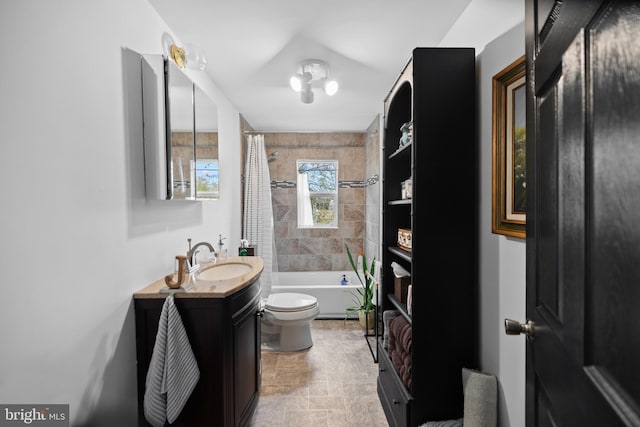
190, 55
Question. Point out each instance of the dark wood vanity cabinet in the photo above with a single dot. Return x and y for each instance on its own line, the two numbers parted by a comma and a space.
438, 165
225, 337
246, 361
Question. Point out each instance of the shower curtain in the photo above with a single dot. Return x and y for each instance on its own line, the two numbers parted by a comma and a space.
258, 226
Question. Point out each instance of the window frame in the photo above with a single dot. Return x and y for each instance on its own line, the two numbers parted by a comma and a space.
333, 194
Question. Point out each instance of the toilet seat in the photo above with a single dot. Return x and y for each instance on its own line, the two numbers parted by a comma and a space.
290, 302
292, 316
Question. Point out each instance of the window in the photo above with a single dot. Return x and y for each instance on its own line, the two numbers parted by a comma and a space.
207, 178
317, 193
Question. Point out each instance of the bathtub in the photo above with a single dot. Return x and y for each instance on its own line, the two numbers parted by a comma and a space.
333, 298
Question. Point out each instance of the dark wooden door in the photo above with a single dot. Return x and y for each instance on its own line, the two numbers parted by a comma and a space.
583, 217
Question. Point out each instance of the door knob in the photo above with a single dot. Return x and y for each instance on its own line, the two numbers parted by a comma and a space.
513, 327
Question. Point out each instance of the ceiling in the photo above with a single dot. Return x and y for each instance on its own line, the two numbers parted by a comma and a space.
254, 46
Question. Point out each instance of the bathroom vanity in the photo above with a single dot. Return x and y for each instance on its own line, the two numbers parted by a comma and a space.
221, 318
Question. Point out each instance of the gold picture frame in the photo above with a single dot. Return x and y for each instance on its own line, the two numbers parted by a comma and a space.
508, 179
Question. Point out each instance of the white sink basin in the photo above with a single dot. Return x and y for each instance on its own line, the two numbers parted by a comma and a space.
224, 271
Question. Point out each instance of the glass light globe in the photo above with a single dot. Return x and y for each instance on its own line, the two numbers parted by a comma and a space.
331, 87
296, 83
194, 57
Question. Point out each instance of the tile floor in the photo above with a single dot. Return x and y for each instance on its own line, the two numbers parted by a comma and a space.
332, 384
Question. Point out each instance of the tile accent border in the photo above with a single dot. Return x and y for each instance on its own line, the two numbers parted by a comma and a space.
350, 184
283, 184
341, 184
373, 180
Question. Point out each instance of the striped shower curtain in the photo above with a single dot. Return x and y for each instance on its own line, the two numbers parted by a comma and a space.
258, 213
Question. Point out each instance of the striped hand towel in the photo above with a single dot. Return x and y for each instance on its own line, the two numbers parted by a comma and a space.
173, 371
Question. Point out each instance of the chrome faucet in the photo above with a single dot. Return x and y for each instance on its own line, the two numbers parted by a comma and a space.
191, 254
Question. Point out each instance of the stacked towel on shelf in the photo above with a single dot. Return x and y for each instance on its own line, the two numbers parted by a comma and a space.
173, 371
400, 348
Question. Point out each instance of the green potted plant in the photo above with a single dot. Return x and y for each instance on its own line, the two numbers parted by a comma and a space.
363, 297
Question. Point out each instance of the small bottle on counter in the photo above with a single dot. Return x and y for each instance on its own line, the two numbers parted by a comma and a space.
242, 250
344, 281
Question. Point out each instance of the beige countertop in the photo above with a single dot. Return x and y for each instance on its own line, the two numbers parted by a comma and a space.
210, 288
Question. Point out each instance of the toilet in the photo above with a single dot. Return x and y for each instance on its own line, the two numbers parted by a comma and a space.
286, 323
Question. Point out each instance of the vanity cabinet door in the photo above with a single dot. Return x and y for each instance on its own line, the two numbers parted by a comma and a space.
246, 361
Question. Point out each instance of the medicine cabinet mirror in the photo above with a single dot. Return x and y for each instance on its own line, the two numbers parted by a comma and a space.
180, 134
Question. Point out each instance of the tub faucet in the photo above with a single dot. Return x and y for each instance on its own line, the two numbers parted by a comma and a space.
193, 251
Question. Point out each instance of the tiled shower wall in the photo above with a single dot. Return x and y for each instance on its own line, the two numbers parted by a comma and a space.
318, 249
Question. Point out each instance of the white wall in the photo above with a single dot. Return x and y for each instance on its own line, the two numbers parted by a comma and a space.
502, 260
77, 236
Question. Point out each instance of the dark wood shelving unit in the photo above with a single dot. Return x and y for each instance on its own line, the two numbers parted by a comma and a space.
400, 253
435, 91
404, 150
399, 202
400, 306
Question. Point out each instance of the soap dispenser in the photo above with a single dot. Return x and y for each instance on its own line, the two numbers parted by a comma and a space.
221, 254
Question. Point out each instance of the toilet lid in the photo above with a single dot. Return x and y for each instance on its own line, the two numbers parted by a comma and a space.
290, 302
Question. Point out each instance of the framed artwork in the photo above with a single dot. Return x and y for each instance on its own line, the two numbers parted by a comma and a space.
509, 184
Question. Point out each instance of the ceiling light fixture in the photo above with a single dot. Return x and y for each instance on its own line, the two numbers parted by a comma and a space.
312, 73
